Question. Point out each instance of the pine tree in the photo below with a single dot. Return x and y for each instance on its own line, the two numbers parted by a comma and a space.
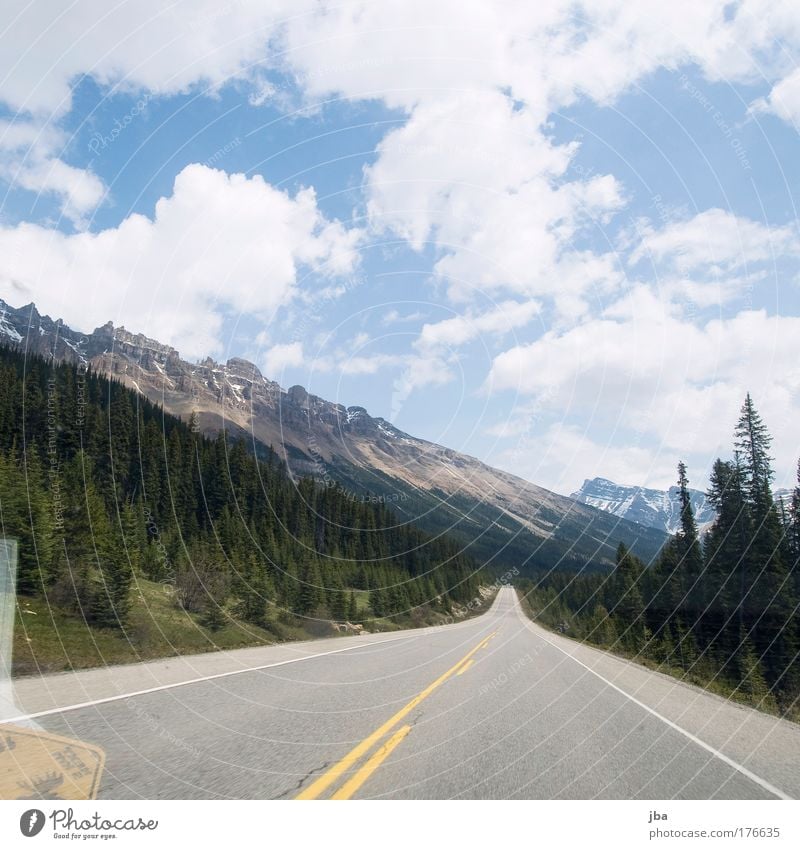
308, 590
750, 674
689, 549
770, 622
628, 605
601, 628
378, 603
728, 576
752, 442
690, 553
794, 526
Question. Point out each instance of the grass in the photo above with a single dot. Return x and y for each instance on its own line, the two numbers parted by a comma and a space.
48, 639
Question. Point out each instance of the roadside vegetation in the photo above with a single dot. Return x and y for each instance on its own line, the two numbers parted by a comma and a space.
139, 537
721, 612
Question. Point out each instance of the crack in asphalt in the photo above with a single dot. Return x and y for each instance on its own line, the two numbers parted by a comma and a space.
298, 786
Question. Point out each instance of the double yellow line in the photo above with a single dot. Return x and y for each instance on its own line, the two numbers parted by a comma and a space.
313, 791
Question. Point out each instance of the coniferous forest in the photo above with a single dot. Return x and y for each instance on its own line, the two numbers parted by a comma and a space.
721, 610
101, 488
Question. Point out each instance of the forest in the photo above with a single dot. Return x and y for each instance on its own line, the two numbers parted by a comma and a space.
720, 611
100, 487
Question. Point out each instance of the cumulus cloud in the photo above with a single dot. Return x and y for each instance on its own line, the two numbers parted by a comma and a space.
475, 174
783, 100
472, 169
542, 55
29, 158
280, 357
218, 242
457, 331
165, 49
143, 46
717, 239
565, 455
545, 54
641, 368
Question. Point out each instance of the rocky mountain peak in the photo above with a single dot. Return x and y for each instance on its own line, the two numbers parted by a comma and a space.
653, 508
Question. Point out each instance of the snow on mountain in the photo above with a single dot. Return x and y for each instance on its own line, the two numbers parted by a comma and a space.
653, 508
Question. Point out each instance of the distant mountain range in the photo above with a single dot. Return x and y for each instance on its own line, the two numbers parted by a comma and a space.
653, 508
504, 521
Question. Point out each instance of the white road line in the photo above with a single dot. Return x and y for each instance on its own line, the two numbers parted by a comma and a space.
80, 705
770, 788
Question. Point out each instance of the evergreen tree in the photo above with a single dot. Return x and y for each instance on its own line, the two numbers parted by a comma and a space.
627, 603
750, 674
308, 590
794, 526
752, 442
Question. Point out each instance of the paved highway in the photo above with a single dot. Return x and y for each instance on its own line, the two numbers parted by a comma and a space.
494, 707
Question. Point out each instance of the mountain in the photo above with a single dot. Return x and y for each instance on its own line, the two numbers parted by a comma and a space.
503, 520
652, 508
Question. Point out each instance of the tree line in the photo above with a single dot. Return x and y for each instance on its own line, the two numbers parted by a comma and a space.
98, 485
721, 609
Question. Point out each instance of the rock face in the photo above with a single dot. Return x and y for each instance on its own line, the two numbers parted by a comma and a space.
505, 521
653, 508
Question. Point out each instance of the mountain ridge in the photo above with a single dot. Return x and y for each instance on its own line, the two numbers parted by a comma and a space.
655, 508
506, 521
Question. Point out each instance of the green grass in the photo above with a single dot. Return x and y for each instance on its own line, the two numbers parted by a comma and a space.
48, 639
362, 601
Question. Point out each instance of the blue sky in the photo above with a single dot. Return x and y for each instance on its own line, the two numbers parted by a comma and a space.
563, 240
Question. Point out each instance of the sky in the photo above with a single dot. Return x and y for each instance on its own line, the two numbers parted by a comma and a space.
558, 236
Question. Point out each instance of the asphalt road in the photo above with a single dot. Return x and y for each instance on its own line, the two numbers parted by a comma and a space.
494, 707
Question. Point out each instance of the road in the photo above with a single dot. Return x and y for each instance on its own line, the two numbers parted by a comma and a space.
494, 707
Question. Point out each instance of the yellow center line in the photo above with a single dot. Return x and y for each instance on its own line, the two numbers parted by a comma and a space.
466, 666
350, 787
355, 754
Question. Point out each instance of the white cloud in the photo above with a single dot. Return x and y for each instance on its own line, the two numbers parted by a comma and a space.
717, 239
545, 54
218, 242
144, 46
370, 364
783, 100
436, 348
280, 357
165, 49
30, 160
396, 317
447, 71
564, 455
475, 174
640, 368
457, 331
78, 189
472, 170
